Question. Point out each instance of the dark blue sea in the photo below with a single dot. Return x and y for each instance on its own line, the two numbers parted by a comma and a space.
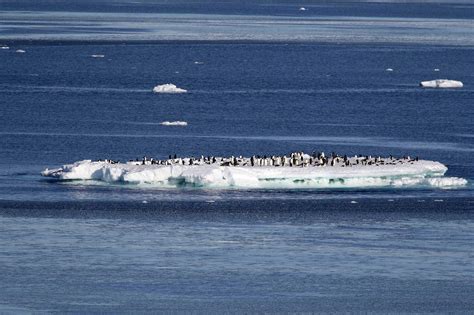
263, 77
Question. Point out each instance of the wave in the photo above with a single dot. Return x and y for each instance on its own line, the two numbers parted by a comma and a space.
420, 173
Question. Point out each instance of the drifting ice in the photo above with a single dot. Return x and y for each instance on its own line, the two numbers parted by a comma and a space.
174, 123
97, 56
21, 51
178, 172
303, 9
442, 84
168, 88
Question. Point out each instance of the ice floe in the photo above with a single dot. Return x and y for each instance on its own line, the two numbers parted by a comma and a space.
98, 56
420, 173
389, 69
5, 47
442, 84
174, 123
303, 9
168, 88
21, 51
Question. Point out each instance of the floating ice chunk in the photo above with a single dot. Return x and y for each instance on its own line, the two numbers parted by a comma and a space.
442, 84
436, 69
21, 51
353, 201
4, 47
303, 9
174, 123
389, 69
97, 56
168, 88
198, 63
420, 173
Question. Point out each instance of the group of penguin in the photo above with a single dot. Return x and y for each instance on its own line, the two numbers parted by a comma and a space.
295, 159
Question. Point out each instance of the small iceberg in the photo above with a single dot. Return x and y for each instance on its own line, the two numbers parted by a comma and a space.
21, 51
303, 9
389, 69
168, 88
174, 123
442, 84
4, 47
436, 69
198, 63
265, 173
97, 56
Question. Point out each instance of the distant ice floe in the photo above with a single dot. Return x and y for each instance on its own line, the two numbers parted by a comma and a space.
21, 51
389, 69
303, 9
442, 84
4, 47
174, 123
421, 173
168, 88
198, 63
436, 70
98, 56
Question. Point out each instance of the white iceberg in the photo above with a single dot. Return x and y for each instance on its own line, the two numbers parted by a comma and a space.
442, 84
303, 9
174, 123
168, 88
4, 47
97, 56
175, 174
436, 69
389, 69
21, 51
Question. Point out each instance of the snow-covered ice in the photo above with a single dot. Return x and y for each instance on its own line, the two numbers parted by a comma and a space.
21, 51
442, 84
98, 56
4, 47
389, 69
174, 123
168, 88
419, 173
303, 9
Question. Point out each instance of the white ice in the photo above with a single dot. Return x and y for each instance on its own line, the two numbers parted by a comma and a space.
4, 47
303, 9
174, 123
21, 51
419, 173
389, 69
97, 56
442, 84
168, 88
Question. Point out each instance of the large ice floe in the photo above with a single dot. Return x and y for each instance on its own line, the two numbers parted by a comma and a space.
304, 171
442, 84
168, 88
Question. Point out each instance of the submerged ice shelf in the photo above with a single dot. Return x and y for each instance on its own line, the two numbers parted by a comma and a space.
385, 173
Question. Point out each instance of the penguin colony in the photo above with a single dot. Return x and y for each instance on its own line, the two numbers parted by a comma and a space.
295, 159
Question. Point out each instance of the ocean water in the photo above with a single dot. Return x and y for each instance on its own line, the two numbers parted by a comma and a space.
263, 78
